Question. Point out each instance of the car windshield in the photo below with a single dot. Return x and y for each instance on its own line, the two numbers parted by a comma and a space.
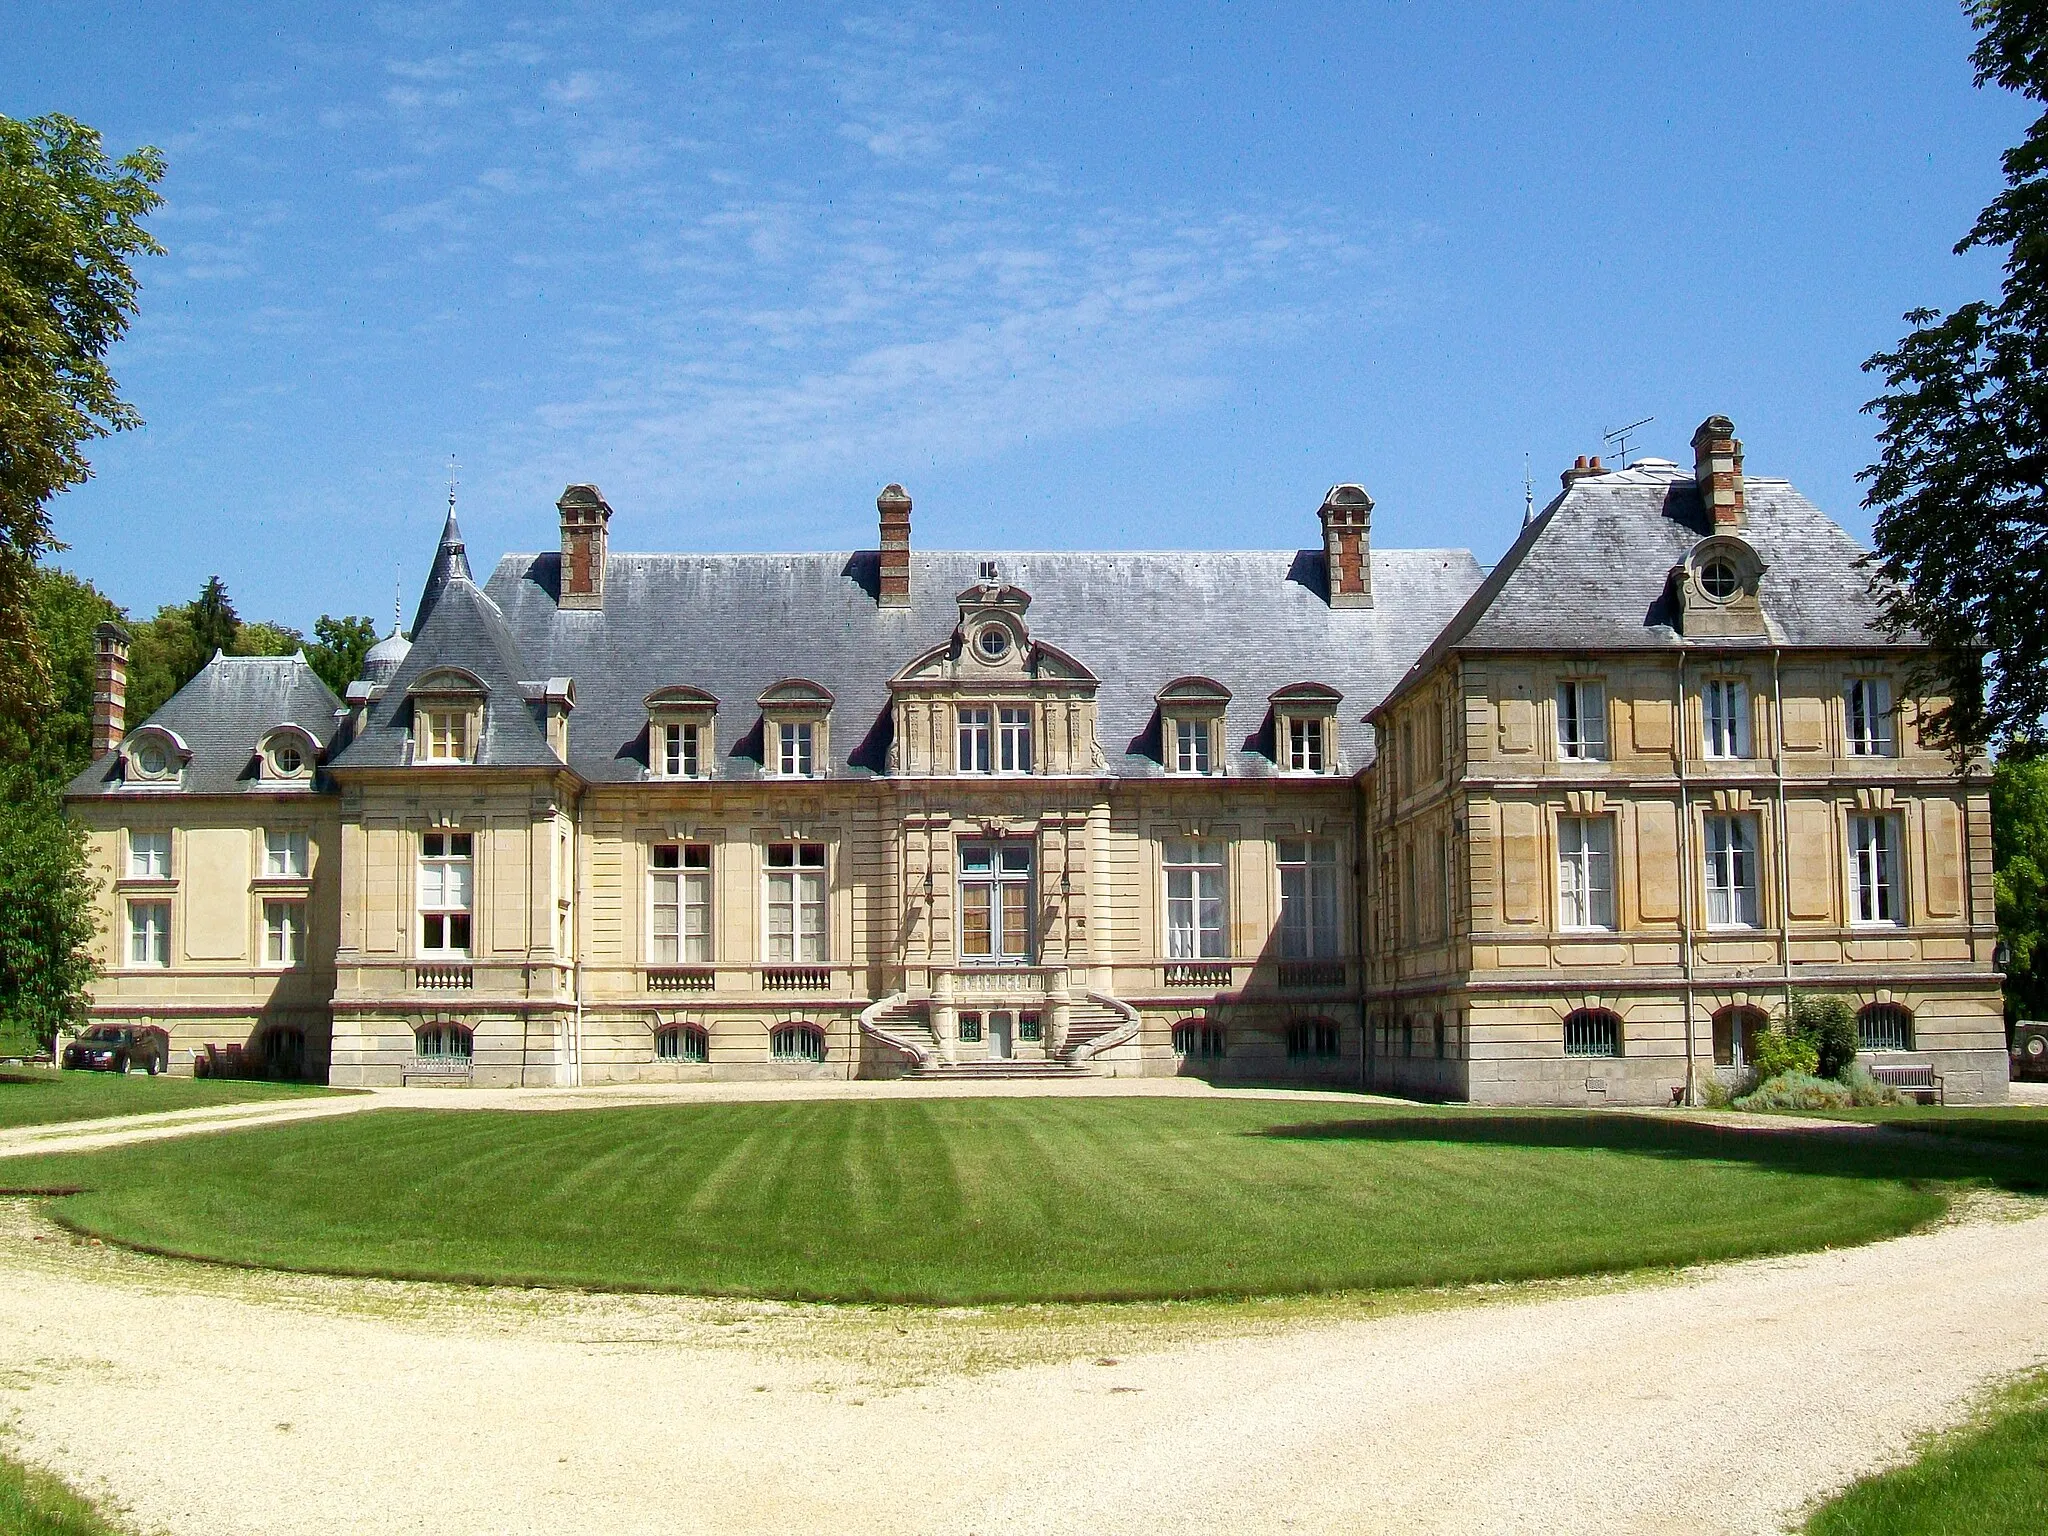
105, 1032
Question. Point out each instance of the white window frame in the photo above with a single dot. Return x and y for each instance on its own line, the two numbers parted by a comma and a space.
1013, 739
1867, 718
1725, 718
287, 853
1585, 874
679, 747
1876, 891
149, 938
1008, 879
446, 885
284, 933
1194, 747
449, 733
1308, 744
1311, 926
801, 889
974, 730
1197, 879
795, 748
679, 884
149, 855
1582, 721
1730, 847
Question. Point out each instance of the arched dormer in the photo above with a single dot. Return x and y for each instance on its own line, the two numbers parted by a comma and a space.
681, 732
286, 756
1717, 587
992, 699
154, 755
1305, 728
796, 729
447, 715
1192, 725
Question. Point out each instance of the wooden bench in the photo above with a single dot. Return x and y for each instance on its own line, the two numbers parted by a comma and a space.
1903, 1078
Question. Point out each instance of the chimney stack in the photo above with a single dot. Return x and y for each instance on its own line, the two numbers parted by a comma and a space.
585, 520
894, 505
110, 689
1347, 545
1717, 467
1582, 468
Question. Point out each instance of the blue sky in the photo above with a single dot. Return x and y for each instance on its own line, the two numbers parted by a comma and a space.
1078, 276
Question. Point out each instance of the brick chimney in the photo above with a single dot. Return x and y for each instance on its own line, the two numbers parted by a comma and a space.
1582, 468
894, 505
585, 519
1717, 466
110, 688
1347, 545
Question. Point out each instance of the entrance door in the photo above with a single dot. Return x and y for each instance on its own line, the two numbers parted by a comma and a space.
999, 1036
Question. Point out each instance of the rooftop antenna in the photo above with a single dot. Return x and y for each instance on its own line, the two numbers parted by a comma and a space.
1528, 493
1618, 439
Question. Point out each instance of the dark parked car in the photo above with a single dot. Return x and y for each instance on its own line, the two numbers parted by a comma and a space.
119, 1048
2030, 1049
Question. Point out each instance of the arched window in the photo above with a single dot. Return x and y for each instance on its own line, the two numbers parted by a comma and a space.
443, 1042
1884, 1027
1592, 1032
1735, 1030
1199, 1039
1317, 1039
797, 1042
284, 1050
682, 1042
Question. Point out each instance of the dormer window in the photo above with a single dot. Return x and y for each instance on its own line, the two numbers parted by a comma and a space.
1191, 713
1717, 588
679, 743
155, 755
287, 754
1305, 727
447, 717
795, 722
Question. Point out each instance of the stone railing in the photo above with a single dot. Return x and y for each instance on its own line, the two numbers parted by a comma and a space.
796, 978
681, 979
920, 1052
1188, 973
443, 978
1309, 975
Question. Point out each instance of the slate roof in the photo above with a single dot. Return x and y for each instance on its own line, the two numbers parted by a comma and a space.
222, 715
735, 624
1592, 573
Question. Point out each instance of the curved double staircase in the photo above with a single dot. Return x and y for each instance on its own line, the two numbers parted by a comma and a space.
1097, 1023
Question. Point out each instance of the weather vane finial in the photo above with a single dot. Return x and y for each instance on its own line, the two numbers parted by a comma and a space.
451, 484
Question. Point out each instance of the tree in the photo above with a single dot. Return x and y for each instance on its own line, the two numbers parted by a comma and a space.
215, 624
265, 639
2019, 856
70, 225
47, 917
338, 649
57, 742
1961, 484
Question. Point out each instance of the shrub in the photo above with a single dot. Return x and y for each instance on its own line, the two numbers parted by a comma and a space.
1830, 1023
1778, 1053
1797, 1090
1865, 1091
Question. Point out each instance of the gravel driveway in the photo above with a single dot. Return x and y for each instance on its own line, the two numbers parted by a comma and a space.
211, 1401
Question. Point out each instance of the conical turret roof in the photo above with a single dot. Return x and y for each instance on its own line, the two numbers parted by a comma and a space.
451, 560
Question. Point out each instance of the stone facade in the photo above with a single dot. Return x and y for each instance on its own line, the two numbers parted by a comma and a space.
1341, 815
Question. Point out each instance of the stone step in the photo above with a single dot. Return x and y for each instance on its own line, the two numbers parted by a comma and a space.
975, 1071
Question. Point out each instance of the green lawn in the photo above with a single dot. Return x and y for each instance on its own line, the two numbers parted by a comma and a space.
35, 1096
1988, 1479
2021, 1124
36, 1504
993, 1200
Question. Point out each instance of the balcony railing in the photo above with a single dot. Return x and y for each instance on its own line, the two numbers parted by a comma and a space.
1306, 975
443, 978
684, 979
1180, 973
430, 1068
796, 978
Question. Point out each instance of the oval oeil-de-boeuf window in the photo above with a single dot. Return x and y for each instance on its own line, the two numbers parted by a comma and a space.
1719, 581
994, 642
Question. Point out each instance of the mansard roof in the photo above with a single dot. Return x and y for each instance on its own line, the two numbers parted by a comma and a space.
733, 625
1592, 572
222, 716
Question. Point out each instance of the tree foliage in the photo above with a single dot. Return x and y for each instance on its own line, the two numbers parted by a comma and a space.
2019, 849
70, 225
47, 915
338, 649
1961, 484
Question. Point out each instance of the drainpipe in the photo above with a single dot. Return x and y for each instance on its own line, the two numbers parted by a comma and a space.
1685, 870
576, 944
1784, 838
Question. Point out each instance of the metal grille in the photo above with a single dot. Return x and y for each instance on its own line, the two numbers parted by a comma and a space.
1592, 1032
1884, 1027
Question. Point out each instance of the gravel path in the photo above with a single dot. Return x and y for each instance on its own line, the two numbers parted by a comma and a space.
210, 1401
